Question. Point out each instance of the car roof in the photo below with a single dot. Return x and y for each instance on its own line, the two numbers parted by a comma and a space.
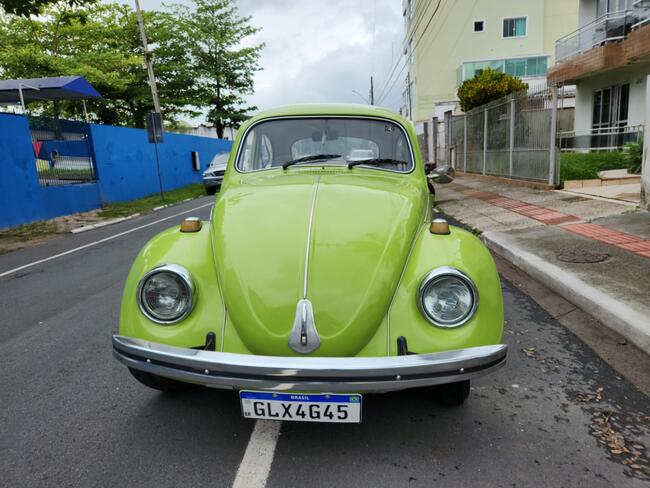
342, 109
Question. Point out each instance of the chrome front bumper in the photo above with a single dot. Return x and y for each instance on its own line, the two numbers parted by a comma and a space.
307, 374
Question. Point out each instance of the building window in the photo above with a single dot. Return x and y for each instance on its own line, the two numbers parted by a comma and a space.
610, 107
479, 25
515, 27
520, 67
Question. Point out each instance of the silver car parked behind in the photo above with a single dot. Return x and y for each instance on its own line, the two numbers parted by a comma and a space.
213, 176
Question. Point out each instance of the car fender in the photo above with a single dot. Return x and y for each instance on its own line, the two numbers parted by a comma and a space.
193, 251
465, 252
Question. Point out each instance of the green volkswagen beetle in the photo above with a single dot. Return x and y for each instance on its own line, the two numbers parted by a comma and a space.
321, 275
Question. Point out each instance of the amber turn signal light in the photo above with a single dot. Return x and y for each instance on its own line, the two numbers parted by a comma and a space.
439, 226
191, 224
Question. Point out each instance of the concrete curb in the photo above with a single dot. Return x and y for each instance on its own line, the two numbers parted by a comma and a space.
615, 314
104, 223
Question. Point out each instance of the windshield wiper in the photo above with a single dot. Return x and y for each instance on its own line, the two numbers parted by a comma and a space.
313, 157
375, 161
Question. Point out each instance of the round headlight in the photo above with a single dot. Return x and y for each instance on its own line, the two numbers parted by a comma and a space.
448, 298
166, 294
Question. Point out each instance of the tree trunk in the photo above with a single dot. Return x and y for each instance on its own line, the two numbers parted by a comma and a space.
220, 127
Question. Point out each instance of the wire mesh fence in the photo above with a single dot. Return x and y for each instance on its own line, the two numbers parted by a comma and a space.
62, 151
511, 137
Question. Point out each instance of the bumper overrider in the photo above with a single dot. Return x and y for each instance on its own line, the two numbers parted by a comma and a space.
307, 374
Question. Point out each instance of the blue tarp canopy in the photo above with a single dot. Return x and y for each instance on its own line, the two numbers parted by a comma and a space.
56, 88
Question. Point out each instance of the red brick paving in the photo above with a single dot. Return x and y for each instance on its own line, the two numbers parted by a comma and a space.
628, 242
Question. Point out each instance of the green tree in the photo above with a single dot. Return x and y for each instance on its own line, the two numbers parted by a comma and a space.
34, 7
224, 67
101, 43
487, 86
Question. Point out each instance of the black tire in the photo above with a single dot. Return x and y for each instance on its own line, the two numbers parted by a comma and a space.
211, 191
159, 382
453, 394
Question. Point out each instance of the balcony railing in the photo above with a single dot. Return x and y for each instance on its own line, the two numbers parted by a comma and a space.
604, 139
611, 26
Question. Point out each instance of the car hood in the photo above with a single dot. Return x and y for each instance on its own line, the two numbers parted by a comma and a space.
338, 239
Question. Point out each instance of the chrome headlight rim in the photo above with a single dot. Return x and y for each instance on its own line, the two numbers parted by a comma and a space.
185, 277
436, 274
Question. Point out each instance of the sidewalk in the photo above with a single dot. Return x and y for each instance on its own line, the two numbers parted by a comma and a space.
593, 252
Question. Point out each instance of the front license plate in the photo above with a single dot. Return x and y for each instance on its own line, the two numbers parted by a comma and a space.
301, 407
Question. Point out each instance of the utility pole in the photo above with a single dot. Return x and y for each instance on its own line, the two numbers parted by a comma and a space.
148, 59
155, 117
408, 92
372, 93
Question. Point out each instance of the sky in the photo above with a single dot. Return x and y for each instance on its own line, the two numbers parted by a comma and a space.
321, 50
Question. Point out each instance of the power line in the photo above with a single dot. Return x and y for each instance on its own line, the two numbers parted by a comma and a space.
406, 61
408, 34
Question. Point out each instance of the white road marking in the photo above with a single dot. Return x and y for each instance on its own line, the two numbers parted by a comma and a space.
255, 466
94, 243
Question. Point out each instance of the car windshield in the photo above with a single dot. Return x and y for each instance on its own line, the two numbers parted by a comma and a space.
274, 143
220, 159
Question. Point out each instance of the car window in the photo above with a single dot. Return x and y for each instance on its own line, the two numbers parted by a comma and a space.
274, 142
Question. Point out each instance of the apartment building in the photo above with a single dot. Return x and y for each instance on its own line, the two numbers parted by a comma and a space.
449, 41
608, 59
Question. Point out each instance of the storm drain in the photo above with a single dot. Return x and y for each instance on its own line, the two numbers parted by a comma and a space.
580, 255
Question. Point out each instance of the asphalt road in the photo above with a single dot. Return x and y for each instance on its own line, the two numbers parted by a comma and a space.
72, 416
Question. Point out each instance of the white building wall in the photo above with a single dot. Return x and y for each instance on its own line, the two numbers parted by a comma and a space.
635, 75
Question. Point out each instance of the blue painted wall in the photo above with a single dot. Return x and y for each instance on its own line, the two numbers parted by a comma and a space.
22, 199
125, 162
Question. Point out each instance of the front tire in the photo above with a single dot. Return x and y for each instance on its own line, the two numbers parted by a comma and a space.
159, 382
453, 394
211, 190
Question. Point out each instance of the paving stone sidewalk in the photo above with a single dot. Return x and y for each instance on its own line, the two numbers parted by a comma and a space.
594, 252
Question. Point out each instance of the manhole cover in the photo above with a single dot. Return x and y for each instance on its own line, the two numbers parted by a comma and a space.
579, 255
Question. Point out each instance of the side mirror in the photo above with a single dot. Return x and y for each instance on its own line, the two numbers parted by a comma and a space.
442, 174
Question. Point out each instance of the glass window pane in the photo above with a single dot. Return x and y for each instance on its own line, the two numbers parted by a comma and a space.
607, 100
597, 103
624, 103
520, 27
507, 27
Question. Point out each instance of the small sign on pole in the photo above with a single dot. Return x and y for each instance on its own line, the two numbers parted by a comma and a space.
154, 127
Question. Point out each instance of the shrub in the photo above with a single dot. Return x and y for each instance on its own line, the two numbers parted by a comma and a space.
633, 153
487, 86
585, 166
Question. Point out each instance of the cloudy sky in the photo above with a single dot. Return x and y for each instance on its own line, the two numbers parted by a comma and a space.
321, 50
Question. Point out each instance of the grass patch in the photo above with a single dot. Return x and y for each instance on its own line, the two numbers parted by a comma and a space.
146, 204
27, 232
585, 166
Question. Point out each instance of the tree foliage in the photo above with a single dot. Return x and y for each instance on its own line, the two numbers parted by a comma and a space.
197, 63
26, 8
487, 86
224, 66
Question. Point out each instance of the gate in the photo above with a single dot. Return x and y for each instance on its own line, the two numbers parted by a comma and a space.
62, 150
513, 137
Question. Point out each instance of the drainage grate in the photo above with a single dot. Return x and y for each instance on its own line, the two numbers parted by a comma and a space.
579, 255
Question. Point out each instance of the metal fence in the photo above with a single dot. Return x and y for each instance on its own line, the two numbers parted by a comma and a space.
62, 151
602, 139
512, 137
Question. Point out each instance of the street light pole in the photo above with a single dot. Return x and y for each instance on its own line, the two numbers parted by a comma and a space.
372, 93
147, 58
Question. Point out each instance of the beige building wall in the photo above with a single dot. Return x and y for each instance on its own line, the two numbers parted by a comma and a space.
450, 40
